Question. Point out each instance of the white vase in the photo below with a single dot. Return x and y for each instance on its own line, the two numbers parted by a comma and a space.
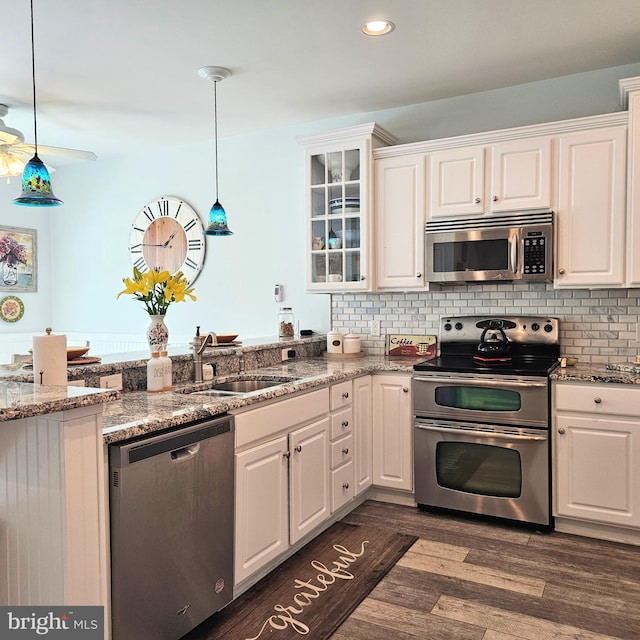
157, 334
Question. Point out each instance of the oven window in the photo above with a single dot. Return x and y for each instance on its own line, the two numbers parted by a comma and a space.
482, 469
471, 255
478, 398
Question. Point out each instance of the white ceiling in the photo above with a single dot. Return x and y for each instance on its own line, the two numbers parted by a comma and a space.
120, 75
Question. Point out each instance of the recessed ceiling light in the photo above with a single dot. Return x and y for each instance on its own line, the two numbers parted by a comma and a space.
378, 28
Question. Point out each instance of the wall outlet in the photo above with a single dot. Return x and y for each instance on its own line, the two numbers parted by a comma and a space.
374, 327
113, 381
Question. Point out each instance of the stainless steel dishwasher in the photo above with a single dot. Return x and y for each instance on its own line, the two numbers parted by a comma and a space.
172, 514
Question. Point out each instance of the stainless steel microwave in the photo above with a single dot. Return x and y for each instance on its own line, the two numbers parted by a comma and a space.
500, 247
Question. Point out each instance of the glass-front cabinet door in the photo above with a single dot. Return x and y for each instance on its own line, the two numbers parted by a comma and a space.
338, 185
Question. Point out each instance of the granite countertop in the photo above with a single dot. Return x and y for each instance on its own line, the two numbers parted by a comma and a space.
610, 373
25, 400
140, 413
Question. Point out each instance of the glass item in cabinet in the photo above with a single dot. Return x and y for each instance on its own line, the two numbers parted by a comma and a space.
352, 266
352, 233
319, 267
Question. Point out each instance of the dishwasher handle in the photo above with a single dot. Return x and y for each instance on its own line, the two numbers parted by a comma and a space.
185, 453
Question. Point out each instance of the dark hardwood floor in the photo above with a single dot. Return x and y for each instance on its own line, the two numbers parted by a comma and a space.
470, 580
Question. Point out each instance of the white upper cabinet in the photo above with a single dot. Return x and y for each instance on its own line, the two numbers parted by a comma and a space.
338, 201
457, 182
506, 176
521, 175
631, 97
590, 221
400, 212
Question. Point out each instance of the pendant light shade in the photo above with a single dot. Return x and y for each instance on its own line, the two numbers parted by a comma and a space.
36, 183
217, 215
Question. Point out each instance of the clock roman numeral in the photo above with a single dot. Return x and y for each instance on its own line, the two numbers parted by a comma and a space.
141, 265
163, 207
136, 248
189, 225
191, 264
178, 210
138, 229
194, 245
150, 215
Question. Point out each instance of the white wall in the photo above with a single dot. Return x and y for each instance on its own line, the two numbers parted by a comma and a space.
83, 244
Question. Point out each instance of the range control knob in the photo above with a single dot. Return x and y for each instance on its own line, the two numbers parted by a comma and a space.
548, 328
447, 326
535, 326
458, 326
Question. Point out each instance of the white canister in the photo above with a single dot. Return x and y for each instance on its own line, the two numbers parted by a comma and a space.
334, 342
351, 343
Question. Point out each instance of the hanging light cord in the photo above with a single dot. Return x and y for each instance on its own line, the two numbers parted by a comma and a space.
215, 127
33, 79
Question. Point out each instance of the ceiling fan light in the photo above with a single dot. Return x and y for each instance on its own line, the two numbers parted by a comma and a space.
217, 221
36, 186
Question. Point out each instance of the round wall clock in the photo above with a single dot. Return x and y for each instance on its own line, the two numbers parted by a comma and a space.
168, 234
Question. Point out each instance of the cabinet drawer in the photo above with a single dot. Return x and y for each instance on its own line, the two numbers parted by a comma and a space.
271, 419
341, 423
341, 394
341, 451
617, 399
342, 486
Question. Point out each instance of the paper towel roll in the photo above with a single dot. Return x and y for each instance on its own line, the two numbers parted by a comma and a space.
50, 359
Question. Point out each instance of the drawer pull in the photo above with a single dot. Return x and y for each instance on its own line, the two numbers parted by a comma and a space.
405, 389
299, 448
561, 430
286, 454
597, 400
345, 395
477, 201
345, 451
345, 424
345, 485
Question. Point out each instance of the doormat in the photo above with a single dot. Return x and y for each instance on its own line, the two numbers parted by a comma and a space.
313, 592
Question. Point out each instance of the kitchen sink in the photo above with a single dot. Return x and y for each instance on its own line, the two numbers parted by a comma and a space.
245, 386
239, 386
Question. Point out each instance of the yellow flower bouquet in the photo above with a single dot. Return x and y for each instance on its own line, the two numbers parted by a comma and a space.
157, 289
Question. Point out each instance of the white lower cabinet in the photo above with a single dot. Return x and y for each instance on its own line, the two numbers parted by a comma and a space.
596, 443
363, 432
392, 432
282, 477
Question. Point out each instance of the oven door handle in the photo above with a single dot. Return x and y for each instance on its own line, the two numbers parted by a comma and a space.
470, 432
482, 382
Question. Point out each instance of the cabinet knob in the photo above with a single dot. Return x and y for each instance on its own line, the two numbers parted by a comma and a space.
345, 424
561, 272
405, 389
345, 485
418, 275
495, 198
597, 400
345, 451
345, 395
361, 277
299, 448
477, 200
286, 454
561, 430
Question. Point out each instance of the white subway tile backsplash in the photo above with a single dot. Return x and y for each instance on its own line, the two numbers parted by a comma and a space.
595, 325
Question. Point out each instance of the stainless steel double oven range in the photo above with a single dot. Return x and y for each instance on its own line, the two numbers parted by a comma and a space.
482, 418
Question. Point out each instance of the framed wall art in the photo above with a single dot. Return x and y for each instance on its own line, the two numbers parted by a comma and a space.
18, 269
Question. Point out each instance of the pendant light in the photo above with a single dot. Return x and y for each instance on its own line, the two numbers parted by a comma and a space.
217, 216
36, 183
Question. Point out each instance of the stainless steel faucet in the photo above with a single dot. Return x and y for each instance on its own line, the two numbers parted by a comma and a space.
210, 340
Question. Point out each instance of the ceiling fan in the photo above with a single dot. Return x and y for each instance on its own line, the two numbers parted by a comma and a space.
15, 153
